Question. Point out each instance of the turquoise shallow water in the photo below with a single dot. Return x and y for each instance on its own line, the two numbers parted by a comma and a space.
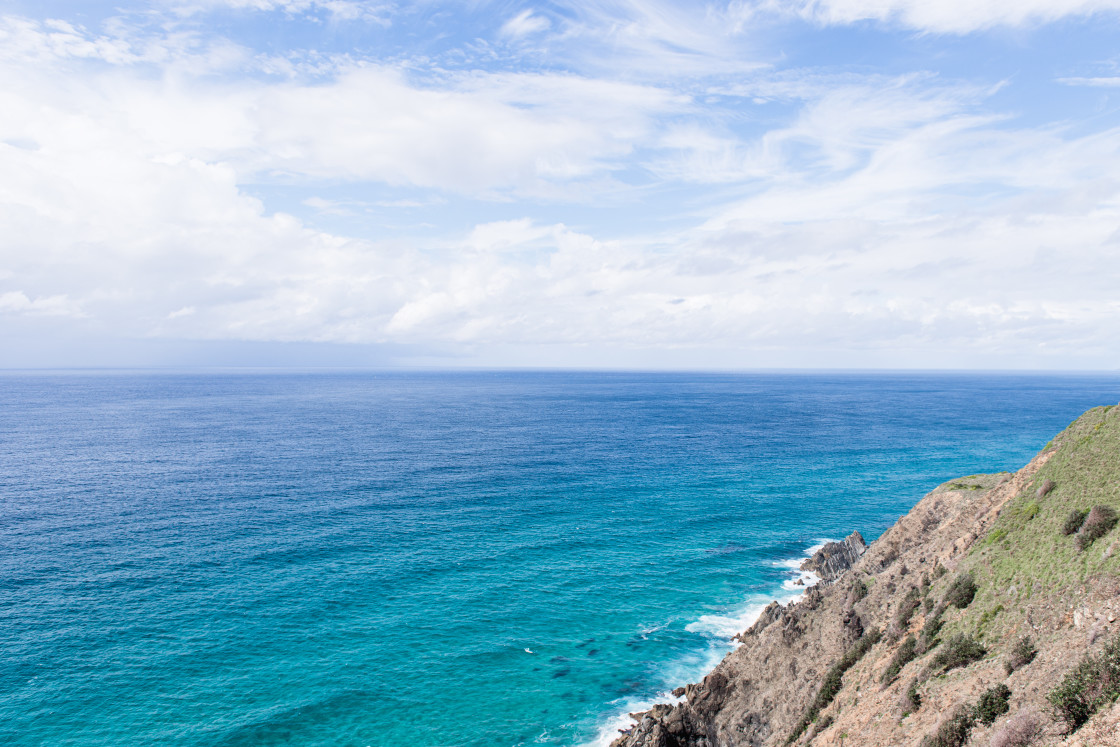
365, 559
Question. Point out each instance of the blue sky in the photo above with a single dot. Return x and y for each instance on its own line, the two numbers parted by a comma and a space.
613, 183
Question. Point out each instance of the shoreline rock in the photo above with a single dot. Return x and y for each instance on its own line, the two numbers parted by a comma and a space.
830, 562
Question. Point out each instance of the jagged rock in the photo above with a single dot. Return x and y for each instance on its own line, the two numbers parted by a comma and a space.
833, 559
772, 612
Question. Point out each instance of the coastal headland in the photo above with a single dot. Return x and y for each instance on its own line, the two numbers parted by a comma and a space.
989, 614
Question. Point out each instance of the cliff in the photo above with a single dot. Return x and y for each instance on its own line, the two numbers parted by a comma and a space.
986, 615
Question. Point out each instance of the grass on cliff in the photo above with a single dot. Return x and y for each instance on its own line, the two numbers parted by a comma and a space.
1030, 549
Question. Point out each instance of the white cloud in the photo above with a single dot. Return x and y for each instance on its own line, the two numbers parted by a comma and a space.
525, 23
942, 16
342, 10
1099, 82
883, 213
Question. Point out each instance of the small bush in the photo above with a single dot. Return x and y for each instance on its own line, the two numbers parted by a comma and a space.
959, 651
1021, 730
1093, 683
939, 571
1021, 654
1098, 523
834, 680
859, 589
1045, 488
1030, 510
1074, 522
961, 592
953, 731
912, 700
993, 703
927, 639
997, 535
903, 656
928, 604
906, 610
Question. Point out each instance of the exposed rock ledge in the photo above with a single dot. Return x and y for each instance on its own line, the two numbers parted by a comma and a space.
833, 559
1005, 531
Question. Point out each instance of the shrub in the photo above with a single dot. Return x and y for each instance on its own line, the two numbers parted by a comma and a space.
1021, 654
1074, 521
834, 680
960, 650
903, 656
993, 703
906, 610
1093, 683
961, 592
939, 571
928, 637
1098, 523
953, 731
912, 700
1043, 489
1021, 730
1030, 510
859, 589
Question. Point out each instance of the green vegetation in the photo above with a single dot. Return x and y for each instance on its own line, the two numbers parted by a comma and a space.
913, 700
987, 617
859, 589
1093, 684
927, 639
959, 651
834, 680
903, 656
906, 610
961, 592
1022, 653
1074, 521
993, 703
1022, 558
953, 731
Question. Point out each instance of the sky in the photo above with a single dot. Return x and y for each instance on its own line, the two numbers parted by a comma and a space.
593, 184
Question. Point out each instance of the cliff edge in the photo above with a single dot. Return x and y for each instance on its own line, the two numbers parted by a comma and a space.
986, 615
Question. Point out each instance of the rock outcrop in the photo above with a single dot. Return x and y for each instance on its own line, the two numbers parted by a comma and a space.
830, 562
862, 659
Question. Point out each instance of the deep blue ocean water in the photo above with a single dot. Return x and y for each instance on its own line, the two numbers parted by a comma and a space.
438, 558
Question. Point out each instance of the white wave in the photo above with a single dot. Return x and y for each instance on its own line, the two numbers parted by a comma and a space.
610, 729
718, 629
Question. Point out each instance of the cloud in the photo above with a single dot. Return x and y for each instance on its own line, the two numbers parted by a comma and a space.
900, 217
944, 16
1100, 82
340, 10
524, 24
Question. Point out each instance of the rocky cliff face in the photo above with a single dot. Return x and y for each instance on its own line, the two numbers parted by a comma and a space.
904, 635
836, 557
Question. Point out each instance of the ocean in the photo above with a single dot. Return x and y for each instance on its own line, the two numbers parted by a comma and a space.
439, 558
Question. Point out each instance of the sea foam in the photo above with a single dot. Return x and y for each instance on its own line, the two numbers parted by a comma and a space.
718, 630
